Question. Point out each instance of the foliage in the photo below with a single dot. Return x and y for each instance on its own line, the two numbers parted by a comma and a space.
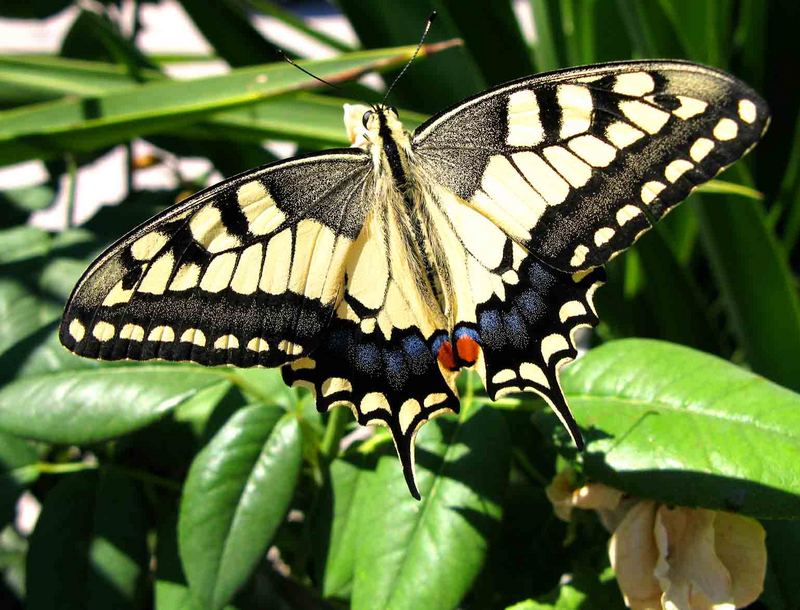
174, 486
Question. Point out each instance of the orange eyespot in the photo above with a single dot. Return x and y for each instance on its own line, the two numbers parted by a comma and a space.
446, 357
467, 349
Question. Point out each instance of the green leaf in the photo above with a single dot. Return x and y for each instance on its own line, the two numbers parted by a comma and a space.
89, 547
229, 30
22, 312
69, 125
97, 404
17, 471
782, 588
431, 86
306, 118
287, 17
20, 243
56, 76
434, 547
666, 422
549, 44
757, 286
336, 531
236, 495
497, 63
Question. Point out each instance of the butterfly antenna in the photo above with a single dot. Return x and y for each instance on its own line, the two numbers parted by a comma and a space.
302, 69
413, 57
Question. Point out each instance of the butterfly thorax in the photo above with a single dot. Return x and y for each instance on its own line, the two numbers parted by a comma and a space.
400, 195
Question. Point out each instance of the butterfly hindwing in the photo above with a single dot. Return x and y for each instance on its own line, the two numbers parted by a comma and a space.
377, 356
245, 273
576, 164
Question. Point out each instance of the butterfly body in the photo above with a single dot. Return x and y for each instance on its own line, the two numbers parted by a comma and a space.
373, 274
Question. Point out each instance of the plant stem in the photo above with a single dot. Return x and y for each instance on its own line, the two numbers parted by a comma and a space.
329, 448
72, 173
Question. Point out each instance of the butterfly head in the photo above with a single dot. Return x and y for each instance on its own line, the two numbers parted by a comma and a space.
364, 123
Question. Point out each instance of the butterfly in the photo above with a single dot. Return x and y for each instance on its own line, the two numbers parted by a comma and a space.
373, 274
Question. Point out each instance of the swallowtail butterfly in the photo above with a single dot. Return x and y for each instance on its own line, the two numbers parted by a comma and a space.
373, 274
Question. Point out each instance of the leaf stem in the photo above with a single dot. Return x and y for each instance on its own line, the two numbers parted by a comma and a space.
48, 468
141, 475
529, 469
334, 430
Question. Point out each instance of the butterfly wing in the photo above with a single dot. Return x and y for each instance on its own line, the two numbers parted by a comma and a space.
245, 273
575, 165
377, 356
535, 184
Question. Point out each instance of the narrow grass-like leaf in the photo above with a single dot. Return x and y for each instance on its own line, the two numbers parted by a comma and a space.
89, 548
667, 422
759, 291
549, 45
229, 30
307, 118
497, 63
236, 495
74, 406
274, 10
83, 125
433, 85
56, 76
434, 547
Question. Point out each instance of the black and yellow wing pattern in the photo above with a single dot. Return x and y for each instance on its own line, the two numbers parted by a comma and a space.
373, 274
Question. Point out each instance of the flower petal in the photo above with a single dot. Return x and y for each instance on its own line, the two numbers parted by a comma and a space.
633, 554
740, 545
688, 569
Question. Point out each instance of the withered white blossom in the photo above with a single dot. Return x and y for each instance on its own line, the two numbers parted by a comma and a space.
672, 558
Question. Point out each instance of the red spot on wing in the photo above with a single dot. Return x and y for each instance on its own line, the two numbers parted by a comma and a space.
446, 356
467, 349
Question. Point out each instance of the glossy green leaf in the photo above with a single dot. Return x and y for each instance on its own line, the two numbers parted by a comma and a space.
337, 531
667, 422
74, 406
89, 548
19, 243
434, 547
45, 130
17, 471
236, 495
22, 312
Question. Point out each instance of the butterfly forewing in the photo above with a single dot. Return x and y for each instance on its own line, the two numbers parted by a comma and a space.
246, 273
575, 165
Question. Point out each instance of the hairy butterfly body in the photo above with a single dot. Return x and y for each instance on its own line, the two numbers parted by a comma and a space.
373, 274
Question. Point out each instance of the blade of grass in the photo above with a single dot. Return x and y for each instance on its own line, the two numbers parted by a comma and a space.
81, 125
498, 63
56, 76
433, 85
756, 284
549, 44
267, 7
229, 30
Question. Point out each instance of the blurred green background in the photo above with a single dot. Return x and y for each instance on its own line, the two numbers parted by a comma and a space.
172, 486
